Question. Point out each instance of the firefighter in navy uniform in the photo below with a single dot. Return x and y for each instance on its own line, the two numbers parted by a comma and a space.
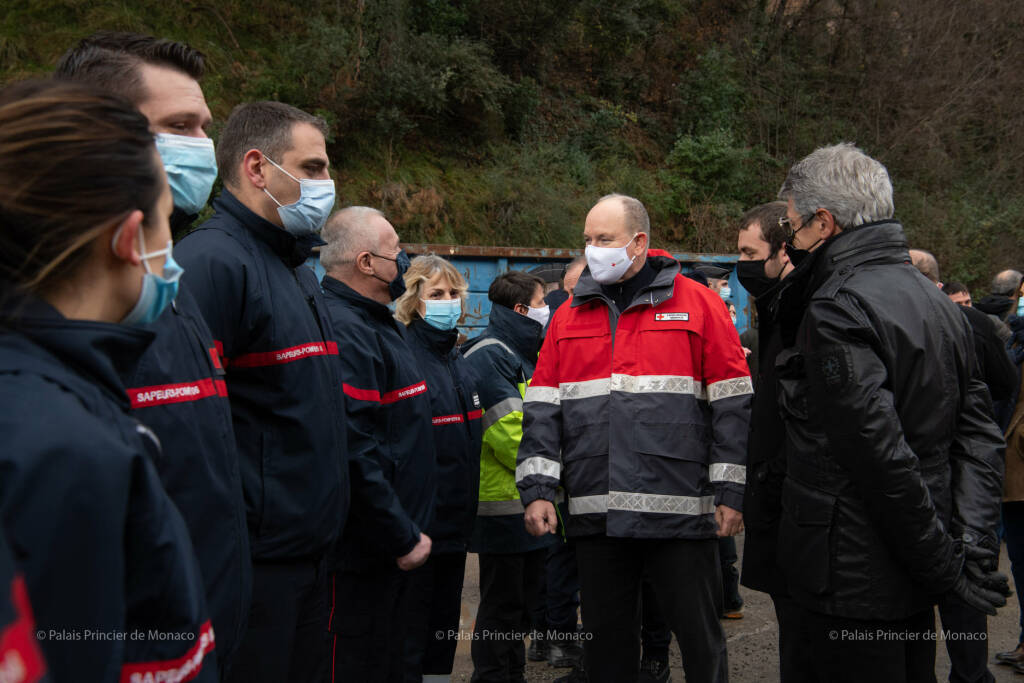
430, 308
85, 246
178, 389
390, 444
265, 310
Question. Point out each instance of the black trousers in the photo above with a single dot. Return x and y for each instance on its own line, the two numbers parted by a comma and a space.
508, 584
560, 602
730, 575
435, 605
1013, 532
795, 662
845, 650
687, 584
285, 640
369, 618
967, 642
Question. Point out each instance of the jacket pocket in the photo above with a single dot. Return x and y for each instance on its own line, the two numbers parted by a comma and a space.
677, 440
806, 537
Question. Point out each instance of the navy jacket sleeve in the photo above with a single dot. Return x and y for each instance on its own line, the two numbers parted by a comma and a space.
376, 512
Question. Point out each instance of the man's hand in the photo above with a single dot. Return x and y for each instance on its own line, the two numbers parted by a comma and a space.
730, 522
541, 518
417, 556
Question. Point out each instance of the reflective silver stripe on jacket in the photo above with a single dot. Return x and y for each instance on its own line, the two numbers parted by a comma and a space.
727, 388
538, 465
587, 389
488, 342
723, 471
542, 395
651, 384
500, 410
641, 502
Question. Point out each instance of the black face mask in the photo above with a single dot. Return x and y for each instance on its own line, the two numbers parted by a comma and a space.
798, 256
396, 287
752, 276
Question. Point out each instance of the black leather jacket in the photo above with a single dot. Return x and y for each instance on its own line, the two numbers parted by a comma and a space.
891, 460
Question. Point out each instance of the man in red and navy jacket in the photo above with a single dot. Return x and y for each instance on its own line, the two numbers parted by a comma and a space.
639, 408
245, 268
391, 449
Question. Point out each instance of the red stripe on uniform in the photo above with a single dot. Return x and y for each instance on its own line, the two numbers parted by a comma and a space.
184, 668
220, 361
162, 394
20, 657
221, 386
446, 419
476, 415
407, 392
361, 394
282, 356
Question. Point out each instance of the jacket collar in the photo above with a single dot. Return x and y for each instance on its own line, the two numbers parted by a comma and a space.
101, 352
660, 289
523, 334
879, 242
292, 250
343, 291
441, 342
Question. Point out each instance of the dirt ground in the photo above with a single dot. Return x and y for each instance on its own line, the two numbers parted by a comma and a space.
753, 640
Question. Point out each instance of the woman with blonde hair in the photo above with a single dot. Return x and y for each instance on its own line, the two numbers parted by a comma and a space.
434, 301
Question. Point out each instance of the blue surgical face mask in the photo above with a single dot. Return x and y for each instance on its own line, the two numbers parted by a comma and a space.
1020, 307
191, 167
310, 212
157, 291
442, 313
725, 292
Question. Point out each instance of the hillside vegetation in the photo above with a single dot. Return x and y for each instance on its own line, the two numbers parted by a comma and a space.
501, 121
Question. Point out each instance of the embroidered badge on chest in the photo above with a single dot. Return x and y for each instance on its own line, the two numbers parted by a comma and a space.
671, 316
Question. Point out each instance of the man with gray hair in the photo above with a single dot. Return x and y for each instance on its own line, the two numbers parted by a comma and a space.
893, 463
1004, 296
391, 453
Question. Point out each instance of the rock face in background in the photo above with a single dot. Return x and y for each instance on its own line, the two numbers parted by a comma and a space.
501, 121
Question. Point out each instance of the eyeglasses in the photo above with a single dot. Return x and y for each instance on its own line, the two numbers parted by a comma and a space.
786, 222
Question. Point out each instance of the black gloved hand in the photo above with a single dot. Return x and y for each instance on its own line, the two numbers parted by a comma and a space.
980, 598
979, 584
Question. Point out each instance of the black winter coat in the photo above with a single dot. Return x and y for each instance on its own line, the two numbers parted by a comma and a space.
391, 448
111, 574
890, 454
20, 657
456, 412
266, 312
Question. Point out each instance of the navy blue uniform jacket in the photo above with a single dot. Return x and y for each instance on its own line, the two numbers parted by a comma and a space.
390, 445
178, 391
456, 412
266, 313
110, 570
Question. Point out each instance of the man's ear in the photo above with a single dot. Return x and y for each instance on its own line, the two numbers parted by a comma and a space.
643, 241
781, 256
253, 168
829, 227
364, 263
521, 309
124, 241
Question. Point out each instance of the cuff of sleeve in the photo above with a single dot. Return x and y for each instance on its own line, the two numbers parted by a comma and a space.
407, 547
730, 495
528, 494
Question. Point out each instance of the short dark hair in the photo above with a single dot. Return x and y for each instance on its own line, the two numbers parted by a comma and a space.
111, 60
951, 288
514, 287
73, 159
767, 216
266, 126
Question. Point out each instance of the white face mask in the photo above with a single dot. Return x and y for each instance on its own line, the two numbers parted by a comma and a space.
609, 264
541, 314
